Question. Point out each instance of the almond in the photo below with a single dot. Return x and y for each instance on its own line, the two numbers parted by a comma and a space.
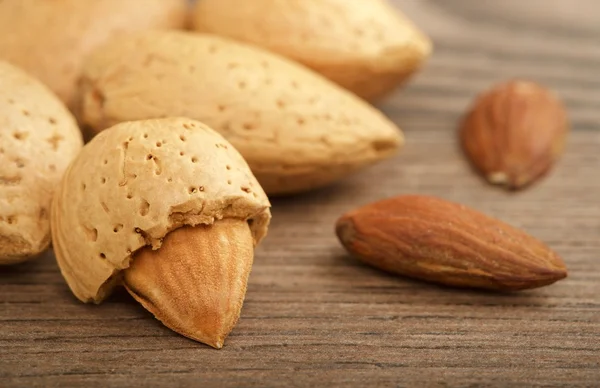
443, 242
366, 46
170, 210
38, 139
296, 130
514, 133
204, 301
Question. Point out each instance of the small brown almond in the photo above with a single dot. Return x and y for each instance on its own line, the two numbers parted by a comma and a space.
514, 133
443, 242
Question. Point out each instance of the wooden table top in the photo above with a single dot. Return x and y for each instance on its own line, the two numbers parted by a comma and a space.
315, 317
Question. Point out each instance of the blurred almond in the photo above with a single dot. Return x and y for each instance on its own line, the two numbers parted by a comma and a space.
515, 132
50, 39
366, 46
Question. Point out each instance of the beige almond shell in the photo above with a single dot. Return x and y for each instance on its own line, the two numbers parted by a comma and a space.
366, 46
136, 182
296, 130
50, 39
38, 139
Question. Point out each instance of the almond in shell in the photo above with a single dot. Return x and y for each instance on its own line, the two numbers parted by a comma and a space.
296, 130
366, 46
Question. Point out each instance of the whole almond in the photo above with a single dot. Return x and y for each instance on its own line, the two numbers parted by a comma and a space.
514, 133
38, 139
296, 130
443, 242
366, 46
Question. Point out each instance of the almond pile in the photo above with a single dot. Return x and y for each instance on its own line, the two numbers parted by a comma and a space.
189, 132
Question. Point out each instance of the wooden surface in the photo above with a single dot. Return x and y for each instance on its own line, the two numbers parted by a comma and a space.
315, 317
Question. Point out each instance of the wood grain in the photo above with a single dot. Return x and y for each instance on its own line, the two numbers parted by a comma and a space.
315, 317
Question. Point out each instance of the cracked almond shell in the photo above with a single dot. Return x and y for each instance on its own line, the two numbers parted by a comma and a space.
50, 39
137, 182
367, 46
38, 139
296, 130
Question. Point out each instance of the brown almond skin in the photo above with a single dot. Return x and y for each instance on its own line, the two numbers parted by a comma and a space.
195, 283
514, 133
435, 240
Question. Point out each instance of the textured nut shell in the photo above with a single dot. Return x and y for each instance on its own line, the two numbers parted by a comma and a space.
38, 140
515, 132
296, 129
366, 46
49, 39
136, 182
439, 241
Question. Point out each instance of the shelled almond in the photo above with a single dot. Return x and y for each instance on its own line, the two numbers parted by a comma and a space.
444, 242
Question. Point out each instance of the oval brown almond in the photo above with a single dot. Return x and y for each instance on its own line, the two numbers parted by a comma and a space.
443, 242
514, 133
